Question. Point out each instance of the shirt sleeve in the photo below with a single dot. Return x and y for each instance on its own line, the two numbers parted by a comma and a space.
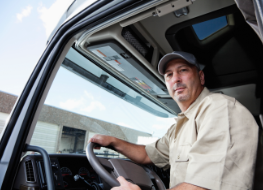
158, 151
215, 160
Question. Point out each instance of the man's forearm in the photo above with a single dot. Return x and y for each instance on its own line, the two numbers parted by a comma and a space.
137, 153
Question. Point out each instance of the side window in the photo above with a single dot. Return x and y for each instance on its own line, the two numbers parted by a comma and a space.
84, 100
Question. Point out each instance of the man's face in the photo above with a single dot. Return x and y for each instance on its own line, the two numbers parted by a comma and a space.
183, 81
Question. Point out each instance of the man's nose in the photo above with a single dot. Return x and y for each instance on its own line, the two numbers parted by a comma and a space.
176, 78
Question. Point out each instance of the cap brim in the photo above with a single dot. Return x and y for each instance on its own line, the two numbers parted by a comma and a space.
171, 56
167, 58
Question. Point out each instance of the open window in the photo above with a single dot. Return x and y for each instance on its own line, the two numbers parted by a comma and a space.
209, 27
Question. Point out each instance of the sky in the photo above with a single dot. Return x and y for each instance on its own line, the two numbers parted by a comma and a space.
25, 28
206, 28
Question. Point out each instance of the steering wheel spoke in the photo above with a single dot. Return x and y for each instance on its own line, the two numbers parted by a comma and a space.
142, 176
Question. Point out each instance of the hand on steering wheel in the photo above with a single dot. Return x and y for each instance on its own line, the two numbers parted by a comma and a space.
125, 185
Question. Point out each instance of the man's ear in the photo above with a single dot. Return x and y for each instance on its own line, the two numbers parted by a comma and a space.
202, 77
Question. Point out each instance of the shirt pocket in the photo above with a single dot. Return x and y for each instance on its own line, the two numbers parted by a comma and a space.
182, 154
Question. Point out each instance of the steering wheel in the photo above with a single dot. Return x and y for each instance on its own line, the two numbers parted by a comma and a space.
142, 176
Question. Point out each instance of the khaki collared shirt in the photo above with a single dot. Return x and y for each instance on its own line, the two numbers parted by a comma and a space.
213, 144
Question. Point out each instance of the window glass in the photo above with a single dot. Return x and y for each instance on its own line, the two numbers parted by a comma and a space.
207, 28
84, 100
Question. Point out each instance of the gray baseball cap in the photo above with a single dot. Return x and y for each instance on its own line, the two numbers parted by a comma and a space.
190, 58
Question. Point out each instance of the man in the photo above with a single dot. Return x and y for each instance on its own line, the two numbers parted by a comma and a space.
213, 143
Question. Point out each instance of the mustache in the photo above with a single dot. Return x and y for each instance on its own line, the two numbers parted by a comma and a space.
179, 85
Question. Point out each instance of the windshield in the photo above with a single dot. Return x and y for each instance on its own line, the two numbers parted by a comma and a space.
85, 100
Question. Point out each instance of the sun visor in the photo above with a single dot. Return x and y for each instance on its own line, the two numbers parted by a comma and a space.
121, 60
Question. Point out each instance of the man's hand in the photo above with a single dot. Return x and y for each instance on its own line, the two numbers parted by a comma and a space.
187, 186
137, 153
102, 140
125, 185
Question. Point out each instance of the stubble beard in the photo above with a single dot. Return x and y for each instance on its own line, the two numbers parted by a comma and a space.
181, 97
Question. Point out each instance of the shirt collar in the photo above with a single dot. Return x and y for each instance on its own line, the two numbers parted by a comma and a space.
195, 104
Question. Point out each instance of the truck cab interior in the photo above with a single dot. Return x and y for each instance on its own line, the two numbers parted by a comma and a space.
105, 56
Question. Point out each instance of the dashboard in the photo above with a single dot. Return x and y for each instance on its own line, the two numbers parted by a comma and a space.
70, 171
70, 167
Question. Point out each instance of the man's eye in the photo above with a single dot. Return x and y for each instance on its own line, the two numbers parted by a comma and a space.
183, 70
169, 75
